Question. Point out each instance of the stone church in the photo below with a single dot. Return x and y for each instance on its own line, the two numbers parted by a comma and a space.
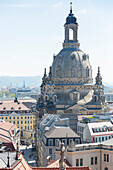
68, 88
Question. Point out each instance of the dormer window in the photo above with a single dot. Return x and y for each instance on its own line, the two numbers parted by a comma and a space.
50, 142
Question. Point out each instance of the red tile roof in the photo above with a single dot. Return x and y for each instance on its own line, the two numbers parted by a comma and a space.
67, 168
10, 106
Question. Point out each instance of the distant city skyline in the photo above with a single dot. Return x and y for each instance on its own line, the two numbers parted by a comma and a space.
32, 31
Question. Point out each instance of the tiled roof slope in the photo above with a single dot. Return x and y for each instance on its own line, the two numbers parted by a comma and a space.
9, 106
60, 132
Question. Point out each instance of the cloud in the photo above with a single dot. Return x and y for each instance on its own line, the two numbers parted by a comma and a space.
57, 5
84, 11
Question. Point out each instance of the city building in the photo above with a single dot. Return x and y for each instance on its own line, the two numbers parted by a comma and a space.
97, 156
98, 132
25, 123
68, 88
7, 107
94, 121
14, 111
15, 160
49, 120
9, 135
55, 134
53, 128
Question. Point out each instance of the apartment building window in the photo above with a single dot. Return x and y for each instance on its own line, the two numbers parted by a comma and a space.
28, 117
91, 160
31, 127
25, 127
102, 138
28, 122
21, 122
104, 157
81, 162
28, 127
25, 117
77, 141
77, 162
21, 117
31, 134
14, 122
17, 122
13, 117
106, 138
50, 142
6, 117
107, 157
64, 141
56, 142
95, 139
9, 117
31, 122
95, 160
25, 122
70, 140
17, 117
50, 151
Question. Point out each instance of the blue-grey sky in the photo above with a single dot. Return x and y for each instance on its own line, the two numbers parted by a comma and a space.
31, 31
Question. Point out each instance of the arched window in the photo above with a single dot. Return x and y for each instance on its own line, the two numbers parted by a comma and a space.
87, 72
73, 72
55, 99
95, 98
106, 168
70, 34
58, 71
46, 98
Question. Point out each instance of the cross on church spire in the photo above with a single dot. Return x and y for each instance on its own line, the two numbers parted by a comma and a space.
70, 7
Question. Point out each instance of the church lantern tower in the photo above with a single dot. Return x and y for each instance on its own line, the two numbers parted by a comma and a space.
71, 25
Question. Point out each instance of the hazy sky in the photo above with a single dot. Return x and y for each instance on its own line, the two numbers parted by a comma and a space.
31, 31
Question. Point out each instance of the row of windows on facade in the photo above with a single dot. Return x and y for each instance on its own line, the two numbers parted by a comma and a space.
17, 117
50, 141
102, 129
103, 138
46, 98
80, 134
81, 129
18, 122
73, 72
94, 160
12, 108
26, 127
109, 98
